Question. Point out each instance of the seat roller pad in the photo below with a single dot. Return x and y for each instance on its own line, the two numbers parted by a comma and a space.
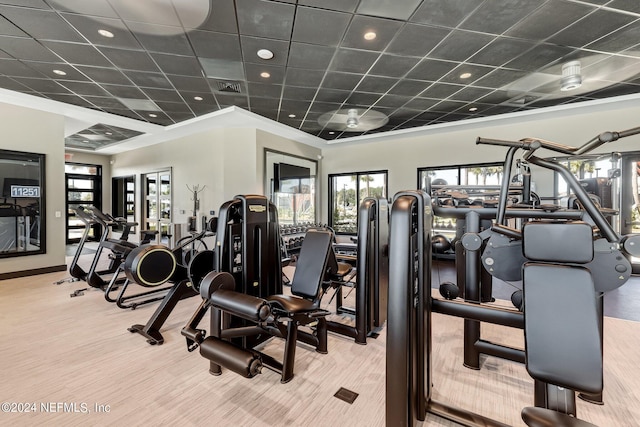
241, 305
562, 332
241, 361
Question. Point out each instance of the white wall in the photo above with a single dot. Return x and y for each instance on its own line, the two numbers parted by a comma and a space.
227, 161
454, 144
28, 130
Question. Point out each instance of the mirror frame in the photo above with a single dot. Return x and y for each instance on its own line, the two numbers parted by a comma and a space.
31, 157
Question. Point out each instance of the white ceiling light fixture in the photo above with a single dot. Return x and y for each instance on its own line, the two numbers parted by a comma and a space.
265, 75
571, 77
265, 54
473, 109
59, 72
370, 35
465, 75
106, 33
153, 115
292, 116
197, 98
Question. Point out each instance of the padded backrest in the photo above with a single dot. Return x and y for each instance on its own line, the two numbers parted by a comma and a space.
312, 263
570, 242
561, 327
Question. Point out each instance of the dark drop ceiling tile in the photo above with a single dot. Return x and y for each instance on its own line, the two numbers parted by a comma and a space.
470, 93
8, 29
149, 80
27, 49
128, 92
501, 51
431, 70
421, 104
460, 45
362, 98
292, 92
105, 103
15, 68
416, 40
208, 44
76, 53
190, 84
499, 78
163, 95
342, 81
540, 56
104, 75
495, 17
619, 40
41, 24
173, 107
342, 5
268, 104
388, 9
409, 87
180, 116
393, 101
130, 59
441, 91
264, 90
303, 78
459, 74
159, 38
332, 95
42, 85
393, 66
353, 61
317, 26
265, 19
628, 5
71, 99
591, 28
376, 84
295, 107
53, 71
84, 88
37, 4
178, 64
444, 13
302, 55
550, 18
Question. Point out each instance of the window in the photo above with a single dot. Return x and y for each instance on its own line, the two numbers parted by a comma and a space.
347, 191
480, 174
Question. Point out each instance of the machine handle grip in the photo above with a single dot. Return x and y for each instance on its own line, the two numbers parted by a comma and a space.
525, 144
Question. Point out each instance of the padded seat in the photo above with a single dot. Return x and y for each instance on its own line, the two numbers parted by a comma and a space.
292, 304
541, 417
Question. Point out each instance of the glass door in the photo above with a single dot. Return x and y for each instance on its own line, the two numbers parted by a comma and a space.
82, 188
157, 207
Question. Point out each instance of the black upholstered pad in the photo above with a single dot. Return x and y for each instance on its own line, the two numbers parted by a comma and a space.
291, 303
541, 417
312, 264
562, 332
558, 242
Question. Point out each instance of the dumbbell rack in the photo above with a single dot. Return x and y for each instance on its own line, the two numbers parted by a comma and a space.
293, 235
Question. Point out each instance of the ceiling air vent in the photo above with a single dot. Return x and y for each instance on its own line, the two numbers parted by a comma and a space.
226, 86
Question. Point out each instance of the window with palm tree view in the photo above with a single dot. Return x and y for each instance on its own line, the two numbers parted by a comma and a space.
347, 191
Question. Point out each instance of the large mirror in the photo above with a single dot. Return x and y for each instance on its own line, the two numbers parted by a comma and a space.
22, 220
291, 185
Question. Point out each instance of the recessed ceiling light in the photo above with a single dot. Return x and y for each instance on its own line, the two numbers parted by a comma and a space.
465, 75
473, 109
105, 33
108, 133
265, 54
84, 140
331, 133
197, 98
265, 75
292, 115
370, 35
153, 115
59, 72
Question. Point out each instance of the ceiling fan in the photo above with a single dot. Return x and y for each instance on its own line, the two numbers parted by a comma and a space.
353, 120
575, 77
